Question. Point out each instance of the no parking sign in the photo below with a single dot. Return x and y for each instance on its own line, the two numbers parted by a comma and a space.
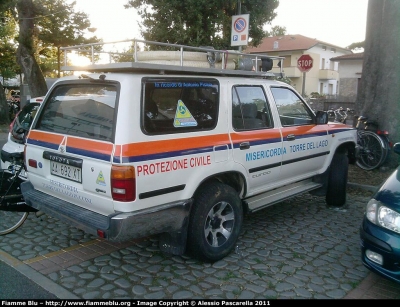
240, 30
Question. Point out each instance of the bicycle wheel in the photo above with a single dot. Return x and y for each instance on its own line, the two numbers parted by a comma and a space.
12, 206
372, 150
11, 220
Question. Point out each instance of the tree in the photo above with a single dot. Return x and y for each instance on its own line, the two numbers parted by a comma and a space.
8, 64
379, 93
60, 26
201, 22
26, 50
277, 31
356, 46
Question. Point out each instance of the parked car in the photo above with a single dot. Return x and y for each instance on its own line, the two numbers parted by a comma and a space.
380, 229
15, 141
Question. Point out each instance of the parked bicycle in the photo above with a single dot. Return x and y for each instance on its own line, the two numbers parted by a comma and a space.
13, 209
340, 115
374, 144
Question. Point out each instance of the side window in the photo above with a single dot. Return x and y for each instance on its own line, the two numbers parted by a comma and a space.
179, 105
292, 110
249, 108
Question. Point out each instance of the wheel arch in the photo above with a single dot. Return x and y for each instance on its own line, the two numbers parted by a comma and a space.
234, 179
348, 148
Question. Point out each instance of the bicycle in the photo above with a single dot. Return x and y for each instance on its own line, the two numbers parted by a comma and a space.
374, 145
340, 115
13, 209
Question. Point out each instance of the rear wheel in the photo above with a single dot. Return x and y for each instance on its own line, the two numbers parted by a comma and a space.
372, 151
337, 181
215, 222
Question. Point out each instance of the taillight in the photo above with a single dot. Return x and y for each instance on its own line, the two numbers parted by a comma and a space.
383, 132
123, 183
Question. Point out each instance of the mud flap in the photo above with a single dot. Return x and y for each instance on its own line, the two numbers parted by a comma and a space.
174, 242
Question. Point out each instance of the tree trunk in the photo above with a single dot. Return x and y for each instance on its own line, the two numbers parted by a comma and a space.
33, 76
379, 93
4, 118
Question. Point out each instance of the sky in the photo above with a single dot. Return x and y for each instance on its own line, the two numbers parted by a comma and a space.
337, 22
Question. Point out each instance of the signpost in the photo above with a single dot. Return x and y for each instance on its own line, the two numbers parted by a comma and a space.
240, 30
304, 64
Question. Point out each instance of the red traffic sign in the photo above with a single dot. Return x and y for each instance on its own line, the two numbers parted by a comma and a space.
305, 63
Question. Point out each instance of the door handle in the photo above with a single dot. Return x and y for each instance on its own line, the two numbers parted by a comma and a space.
244, 145
290, 137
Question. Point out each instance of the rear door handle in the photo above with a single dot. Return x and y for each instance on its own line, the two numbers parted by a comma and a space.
244, 145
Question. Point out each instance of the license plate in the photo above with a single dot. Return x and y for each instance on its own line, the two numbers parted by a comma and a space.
66, 171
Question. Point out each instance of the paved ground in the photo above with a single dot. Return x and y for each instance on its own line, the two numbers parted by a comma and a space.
298, 249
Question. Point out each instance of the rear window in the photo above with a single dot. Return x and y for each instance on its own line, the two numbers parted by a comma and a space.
176, 105
83, 110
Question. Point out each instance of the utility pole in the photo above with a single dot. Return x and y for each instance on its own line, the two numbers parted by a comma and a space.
240, 12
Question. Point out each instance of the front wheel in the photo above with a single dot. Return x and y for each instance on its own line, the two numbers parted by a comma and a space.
215, 222
337, 181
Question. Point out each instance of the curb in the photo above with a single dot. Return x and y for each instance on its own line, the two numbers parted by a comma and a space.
371, 188
36, 277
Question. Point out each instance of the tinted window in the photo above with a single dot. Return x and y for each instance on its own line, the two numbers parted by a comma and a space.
24, 120
292, 110
80, 110
179, 105
249, 108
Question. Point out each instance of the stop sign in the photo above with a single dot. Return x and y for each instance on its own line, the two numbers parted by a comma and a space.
305, 63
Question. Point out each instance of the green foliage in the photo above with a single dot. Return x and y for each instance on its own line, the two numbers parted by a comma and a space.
58, 26
277, 31
283, 79
201, 22
316, 95
356, 46
8, 32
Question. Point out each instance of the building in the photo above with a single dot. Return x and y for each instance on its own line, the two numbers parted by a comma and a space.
323, 77
350, 69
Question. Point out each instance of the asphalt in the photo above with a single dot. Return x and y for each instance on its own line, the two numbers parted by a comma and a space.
298, 249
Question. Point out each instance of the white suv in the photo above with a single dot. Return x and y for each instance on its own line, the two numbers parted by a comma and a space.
135, 149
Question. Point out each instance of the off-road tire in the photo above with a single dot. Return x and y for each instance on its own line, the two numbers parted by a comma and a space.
215, 222
337, 181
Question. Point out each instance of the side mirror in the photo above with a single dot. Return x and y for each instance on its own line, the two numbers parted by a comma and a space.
396, 148
322, 118
20, 130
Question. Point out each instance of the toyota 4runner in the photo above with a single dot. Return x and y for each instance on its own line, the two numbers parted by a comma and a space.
136, 148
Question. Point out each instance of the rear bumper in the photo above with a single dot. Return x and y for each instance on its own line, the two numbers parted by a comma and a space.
121, 226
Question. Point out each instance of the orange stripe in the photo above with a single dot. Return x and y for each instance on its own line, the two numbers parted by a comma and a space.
255, 135
45, 137
298, 130
85, 144
90, 145
145, 148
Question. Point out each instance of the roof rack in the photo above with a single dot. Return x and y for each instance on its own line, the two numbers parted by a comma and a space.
177, 59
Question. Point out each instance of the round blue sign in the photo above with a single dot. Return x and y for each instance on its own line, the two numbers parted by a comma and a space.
240, 25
